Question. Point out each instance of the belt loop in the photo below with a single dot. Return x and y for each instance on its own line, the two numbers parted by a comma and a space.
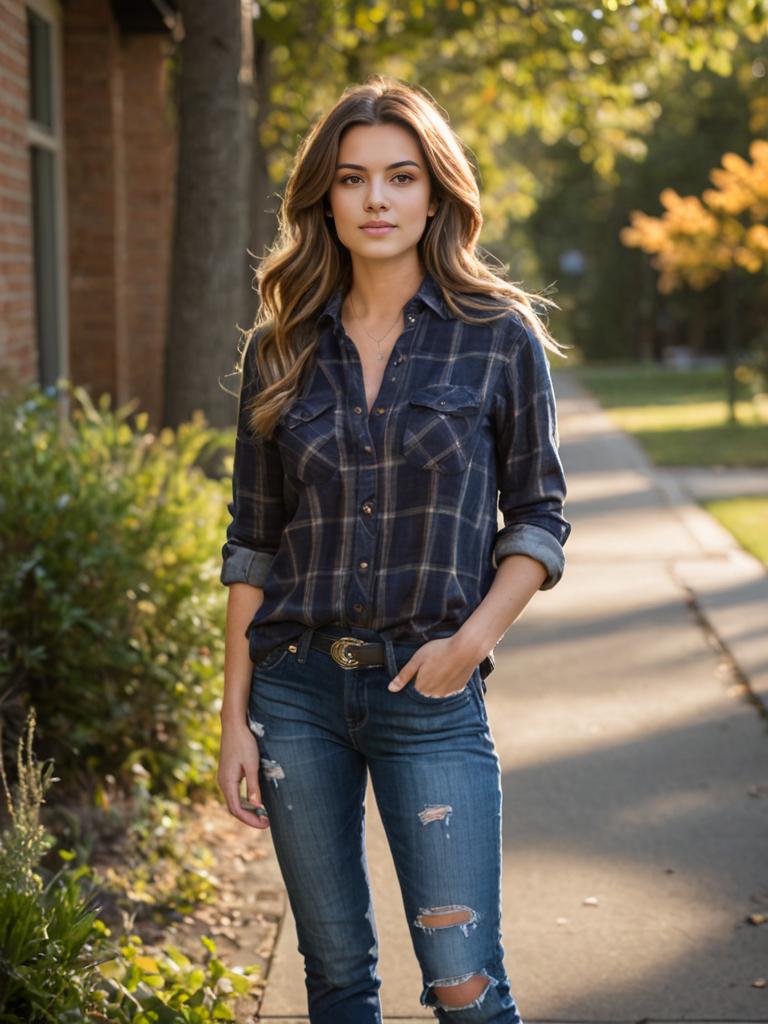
389, 658
303, 646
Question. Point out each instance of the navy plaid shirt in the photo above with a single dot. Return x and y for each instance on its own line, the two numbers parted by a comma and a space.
389, 521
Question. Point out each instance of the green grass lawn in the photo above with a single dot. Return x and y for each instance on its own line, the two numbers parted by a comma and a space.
746, 518
681, 418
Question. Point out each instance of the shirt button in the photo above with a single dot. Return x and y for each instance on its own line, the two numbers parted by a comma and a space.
411, 317
367, 508
380, 409
359, 607
357, 409
363, 565
367, 449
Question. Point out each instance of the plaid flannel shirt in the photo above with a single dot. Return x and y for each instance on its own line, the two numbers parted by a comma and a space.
389, 520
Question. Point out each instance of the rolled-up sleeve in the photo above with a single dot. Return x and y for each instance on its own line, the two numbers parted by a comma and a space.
531, 479
257, 507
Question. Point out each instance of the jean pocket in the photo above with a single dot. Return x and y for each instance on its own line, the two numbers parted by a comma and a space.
457, 699
308, 440
272, 658
440, 427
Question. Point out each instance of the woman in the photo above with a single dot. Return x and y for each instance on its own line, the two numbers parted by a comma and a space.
394, 391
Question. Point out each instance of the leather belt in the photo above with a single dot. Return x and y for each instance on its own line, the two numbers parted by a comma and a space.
351, 651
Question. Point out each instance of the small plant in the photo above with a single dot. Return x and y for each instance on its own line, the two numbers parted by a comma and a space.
46, 928
58, 964
169, 987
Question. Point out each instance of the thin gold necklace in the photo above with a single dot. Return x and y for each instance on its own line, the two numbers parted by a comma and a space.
382, 355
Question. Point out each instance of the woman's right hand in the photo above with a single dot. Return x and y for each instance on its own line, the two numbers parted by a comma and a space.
238, 757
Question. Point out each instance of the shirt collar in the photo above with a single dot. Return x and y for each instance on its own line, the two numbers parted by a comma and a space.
428, 293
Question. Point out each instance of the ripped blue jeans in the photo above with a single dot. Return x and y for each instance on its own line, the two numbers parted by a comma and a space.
320, 729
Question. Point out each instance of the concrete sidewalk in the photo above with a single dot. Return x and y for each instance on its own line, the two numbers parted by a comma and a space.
635, 767
717, 481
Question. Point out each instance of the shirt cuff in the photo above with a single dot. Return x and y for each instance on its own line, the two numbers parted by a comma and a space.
536, 542
244, 565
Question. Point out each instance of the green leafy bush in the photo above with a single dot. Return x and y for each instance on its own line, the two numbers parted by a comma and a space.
111, 613
57, 962
44, 928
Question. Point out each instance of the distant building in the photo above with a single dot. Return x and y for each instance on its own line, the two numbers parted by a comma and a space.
87, 168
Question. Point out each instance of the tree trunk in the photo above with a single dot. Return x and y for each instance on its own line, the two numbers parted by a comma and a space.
208, 297
732, 338
264, 197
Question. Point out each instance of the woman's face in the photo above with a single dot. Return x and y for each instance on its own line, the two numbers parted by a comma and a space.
380, 175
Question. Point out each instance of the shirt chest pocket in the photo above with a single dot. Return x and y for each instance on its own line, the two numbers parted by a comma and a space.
441, 427
307, 439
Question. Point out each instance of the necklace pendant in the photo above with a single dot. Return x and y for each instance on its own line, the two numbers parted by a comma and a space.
381, 357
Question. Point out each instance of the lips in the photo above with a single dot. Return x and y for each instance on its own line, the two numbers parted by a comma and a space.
378, 231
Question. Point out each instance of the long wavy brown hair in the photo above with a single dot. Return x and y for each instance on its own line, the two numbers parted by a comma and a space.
307, 262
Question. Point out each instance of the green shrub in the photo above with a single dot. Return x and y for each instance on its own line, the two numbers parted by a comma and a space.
57, 962
45, 928
110, 605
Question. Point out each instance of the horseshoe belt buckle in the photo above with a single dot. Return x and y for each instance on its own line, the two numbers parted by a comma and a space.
340, 653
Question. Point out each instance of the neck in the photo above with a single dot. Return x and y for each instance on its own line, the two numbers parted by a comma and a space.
376, 293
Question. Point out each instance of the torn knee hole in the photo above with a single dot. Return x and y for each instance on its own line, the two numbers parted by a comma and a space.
456, 916
463, 994
444, 918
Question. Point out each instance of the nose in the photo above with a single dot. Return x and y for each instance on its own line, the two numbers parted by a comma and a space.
375, 198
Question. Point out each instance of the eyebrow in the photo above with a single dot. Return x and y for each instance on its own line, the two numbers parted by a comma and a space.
389, 167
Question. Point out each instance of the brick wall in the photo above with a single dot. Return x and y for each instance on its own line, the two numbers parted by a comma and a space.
120, 171
119, 160
149, 162
91, 54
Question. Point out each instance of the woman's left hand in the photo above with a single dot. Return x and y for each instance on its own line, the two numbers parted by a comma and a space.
444, 667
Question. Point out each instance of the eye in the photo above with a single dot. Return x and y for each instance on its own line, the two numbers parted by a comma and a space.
347, 177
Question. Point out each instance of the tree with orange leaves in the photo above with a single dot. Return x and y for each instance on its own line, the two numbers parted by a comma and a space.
698, 240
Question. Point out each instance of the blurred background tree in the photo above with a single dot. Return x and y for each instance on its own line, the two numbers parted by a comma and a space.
574, 114
723, 235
